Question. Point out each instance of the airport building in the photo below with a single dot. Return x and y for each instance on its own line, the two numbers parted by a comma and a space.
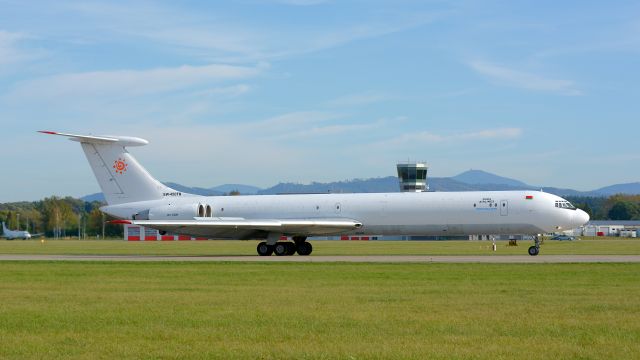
140, 233
616, 228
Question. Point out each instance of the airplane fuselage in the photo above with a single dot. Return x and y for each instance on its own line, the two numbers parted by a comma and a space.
428, 213
11, 235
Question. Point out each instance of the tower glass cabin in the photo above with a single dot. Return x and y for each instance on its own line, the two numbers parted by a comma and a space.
412, 176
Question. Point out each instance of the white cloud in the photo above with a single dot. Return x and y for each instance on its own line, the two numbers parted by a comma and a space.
230, 91
266, 146
308, 125
330, 130
524, 80
10, 50
277, 148
294, 120
276, 128
329, 38
429, 137
127, 83
365, 98
301, 2
503, 133
205, 35
218, 36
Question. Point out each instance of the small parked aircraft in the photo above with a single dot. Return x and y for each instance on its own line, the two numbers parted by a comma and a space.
15, 234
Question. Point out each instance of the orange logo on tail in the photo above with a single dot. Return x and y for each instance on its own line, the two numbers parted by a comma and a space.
120, 166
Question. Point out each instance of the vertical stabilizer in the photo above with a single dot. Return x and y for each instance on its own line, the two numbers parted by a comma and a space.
120, 176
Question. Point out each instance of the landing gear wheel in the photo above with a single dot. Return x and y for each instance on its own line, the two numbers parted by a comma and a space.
291, 248
281, 249
533, 250
264, 249
304, 248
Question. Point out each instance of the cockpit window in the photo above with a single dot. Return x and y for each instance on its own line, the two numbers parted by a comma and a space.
565, 205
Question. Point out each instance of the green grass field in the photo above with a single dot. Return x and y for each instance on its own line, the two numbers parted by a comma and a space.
614, 246
319, 311
223, 310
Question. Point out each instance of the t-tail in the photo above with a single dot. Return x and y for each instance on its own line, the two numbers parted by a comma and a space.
121, 178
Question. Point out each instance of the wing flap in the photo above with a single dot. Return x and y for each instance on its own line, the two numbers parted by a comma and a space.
243, 228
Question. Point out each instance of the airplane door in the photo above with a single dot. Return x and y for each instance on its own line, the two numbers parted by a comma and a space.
504, 208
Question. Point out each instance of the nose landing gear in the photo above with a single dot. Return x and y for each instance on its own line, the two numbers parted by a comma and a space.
535, 249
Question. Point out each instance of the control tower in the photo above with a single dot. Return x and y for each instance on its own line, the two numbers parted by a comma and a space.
412, 176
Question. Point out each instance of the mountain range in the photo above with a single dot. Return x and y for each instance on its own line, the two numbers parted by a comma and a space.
472, 180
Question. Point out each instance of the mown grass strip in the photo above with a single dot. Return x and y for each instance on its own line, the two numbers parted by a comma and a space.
315, 311
120, 247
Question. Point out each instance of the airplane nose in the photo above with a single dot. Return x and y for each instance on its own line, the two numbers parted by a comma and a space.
581, 218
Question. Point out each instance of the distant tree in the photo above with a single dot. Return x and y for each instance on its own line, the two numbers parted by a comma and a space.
89, 206
9, 220
94, 222
234, 193
614, 199
586, 208
58, 216
624, 210
31, 220
49, 214
596, 205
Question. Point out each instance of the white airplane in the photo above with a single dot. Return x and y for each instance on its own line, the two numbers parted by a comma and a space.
135, 197
14, 234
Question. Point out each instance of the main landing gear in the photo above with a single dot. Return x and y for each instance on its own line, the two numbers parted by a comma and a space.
286, 248
264, 249
535, 249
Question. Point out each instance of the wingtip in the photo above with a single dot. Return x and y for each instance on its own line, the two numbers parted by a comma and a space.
48, 132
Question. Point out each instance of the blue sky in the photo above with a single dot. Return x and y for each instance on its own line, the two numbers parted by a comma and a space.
260, 92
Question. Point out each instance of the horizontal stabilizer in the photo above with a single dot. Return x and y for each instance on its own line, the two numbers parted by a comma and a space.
107, 139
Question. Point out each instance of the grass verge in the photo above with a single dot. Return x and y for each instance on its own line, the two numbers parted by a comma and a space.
318, 311
120, 247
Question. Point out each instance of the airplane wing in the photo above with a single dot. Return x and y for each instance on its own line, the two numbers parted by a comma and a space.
240, 228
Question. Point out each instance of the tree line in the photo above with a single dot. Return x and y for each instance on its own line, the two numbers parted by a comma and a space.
60, 217
616, 207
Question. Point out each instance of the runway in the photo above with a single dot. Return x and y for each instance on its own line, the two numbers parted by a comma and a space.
486, 259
